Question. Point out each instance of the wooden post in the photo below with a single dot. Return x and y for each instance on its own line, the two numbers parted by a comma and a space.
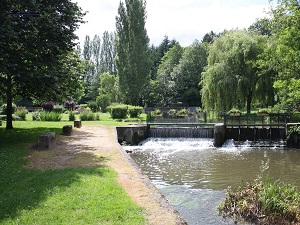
67, 130
77, 123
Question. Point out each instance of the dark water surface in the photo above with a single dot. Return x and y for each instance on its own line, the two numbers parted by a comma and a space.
194, 175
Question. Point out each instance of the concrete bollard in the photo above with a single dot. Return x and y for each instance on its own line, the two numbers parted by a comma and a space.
219, 134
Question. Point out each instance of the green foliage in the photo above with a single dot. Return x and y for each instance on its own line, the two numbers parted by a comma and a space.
182, 112
280, 199
264, 202
71, 116
172, 112
50, 116
93, 106
232, 65
21, 112
36, 116
4, 107
87, 115
165, 81
295, 117
284, 57
58, 108
234, 110
135, 111
133, 61
37, 53
103, 101
108, 86
118, 111
156, 112
187, 74
263, 110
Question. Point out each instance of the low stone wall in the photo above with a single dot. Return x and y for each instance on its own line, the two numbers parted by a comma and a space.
132, 134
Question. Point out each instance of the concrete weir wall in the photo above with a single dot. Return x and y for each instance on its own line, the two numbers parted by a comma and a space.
132, 134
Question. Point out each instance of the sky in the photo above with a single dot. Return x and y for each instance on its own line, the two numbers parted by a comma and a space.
182, 20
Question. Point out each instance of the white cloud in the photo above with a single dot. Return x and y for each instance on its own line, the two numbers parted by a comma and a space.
183, 20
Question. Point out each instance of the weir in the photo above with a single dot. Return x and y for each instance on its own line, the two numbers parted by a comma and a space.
249, 128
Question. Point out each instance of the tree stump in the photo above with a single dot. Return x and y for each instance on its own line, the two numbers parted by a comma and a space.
67, 130
46, 141
77, 123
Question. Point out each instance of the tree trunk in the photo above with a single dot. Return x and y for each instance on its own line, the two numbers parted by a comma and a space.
9, 109
249, 100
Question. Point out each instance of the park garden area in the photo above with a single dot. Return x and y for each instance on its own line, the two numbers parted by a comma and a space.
47, 81
75, 195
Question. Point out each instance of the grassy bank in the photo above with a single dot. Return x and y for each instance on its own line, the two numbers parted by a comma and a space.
66, 196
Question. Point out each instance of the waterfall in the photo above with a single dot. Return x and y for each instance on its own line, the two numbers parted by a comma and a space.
181, 132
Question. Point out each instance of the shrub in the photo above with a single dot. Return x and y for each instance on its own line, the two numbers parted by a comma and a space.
47, 106
135, 111
87, 115
58, 108
118, 111
172, 112
93, 106
234, 110
50, 116
103, 101
36, 116
2, 117
295, 117
4, 107
156, 112
70, 104
97, 116
182, 112
21, 113
71, 116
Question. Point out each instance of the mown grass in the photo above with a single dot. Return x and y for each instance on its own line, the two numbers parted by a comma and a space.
64, 196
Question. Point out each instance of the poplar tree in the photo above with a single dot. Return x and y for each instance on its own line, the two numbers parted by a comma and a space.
132, 49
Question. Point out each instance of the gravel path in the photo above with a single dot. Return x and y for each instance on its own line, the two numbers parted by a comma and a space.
97, 145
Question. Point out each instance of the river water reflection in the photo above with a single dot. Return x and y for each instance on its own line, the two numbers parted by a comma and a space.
193, 175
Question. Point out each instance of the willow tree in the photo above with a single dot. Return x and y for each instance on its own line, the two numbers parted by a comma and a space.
231, 78
132, 50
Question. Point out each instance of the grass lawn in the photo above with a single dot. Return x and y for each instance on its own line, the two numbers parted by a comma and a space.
89, 195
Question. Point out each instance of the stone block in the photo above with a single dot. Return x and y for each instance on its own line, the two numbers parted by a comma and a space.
46, 141
67, 130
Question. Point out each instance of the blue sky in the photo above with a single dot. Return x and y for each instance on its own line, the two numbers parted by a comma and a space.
183, 20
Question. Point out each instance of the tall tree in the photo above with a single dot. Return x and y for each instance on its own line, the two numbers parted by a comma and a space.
187, 74
108, 53
133, 59
232, 75
165, 79
157, 53
285, 54
36, 37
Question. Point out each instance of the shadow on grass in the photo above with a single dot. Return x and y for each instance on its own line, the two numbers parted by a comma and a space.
24, 189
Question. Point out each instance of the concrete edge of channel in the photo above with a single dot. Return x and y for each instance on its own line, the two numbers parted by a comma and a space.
158, 196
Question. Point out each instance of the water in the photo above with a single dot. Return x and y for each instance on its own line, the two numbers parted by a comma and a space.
194, 175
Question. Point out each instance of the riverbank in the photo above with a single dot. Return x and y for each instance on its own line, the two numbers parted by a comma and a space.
91, 142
